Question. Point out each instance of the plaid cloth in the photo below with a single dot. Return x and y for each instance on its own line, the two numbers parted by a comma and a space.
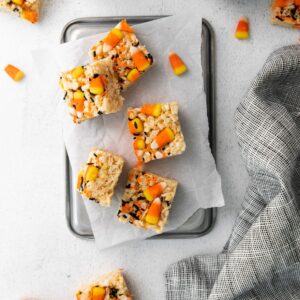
261, 260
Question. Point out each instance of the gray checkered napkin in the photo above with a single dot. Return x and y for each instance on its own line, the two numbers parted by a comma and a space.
261, 259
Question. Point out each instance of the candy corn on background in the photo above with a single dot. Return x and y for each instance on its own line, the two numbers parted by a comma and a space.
40, 259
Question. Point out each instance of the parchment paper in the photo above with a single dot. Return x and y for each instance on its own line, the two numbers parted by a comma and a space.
199, 182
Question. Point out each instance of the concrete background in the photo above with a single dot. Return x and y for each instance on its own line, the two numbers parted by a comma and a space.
39, 258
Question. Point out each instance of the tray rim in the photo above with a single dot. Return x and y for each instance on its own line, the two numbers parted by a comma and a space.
211, 108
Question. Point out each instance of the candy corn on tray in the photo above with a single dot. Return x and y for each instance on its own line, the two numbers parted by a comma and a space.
203, 220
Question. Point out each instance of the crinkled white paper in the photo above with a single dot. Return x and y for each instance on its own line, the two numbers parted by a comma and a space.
199, 182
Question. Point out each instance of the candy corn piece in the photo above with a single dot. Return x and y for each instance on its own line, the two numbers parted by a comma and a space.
177, 64
133, 75
242, 29
140, 60
99, 175
139, 144
124, 26
151, 109
77, 72
109, 286
78, 101
153, 214
14, 73
154, 191
96, 86
112, 39
156, 130
129, 56
146, 196
98, 293
163, 138
30, 15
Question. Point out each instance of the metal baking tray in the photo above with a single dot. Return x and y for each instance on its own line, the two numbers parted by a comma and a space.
203, 220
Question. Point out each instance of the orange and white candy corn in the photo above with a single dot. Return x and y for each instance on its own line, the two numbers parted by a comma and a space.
97, 86
124, 26
112, 39
153, 214
14, 73
151, 109
242, 29
177, 64
154, 191
163, 138
139, 59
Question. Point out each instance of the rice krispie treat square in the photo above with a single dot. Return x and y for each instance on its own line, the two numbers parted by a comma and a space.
147, 200
131, 59
156, 131
99, 176
26, 9
109, 286
91, 90
286, 13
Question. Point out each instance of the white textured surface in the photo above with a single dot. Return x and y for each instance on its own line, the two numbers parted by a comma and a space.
39, 258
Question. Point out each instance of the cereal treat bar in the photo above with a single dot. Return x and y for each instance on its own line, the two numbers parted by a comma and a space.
129, 56
286, 12
156, 131
26, 9
109, 286
99, 176
91, 90
147, 200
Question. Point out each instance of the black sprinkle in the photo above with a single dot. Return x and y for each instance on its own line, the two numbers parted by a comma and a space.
136, 44
143, 172
112, 57
130, 119
117, 55
128, 186
90, 164
132, 214
92, 199
100, 113
95, 154
121, 79
279, 18
140, 198
96, 75
150, 57
65, 95
92, 100
94, 53
136, 134
16, 9
74, 106
135, 125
